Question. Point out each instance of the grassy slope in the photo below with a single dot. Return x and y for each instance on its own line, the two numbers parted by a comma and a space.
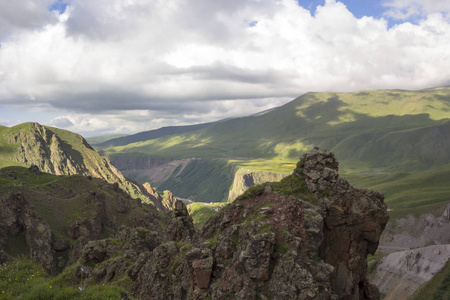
94, 140
152, 134
201, 212
438, 288
59, 200
71, 155
372, 133
71, 143
24, 279
7, 151
342, 122
406, 193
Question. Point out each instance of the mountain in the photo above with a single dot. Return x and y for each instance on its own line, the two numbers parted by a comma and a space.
152, 134
306, 237
94, 140
61, 152
373, 133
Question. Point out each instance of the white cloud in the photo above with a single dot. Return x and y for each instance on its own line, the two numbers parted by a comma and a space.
136, 64
405, 9
16, 16
5, 122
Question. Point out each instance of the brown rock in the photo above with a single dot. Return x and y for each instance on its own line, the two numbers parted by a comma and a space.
181, 225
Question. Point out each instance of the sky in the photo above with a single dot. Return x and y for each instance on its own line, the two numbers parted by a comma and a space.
122, 66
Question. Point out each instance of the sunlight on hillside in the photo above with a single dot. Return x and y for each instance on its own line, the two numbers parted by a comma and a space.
288, 150
345, 118
274, 165
378, 103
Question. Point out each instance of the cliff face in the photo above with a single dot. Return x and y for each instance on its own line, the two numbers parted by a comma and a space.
353, 222
156, 170
243, 180
306, 237
164, 202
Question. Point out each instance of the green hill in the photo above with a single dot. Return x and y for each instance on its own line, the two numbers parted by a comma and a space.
94, 140
151, 134
370, 132
62, 152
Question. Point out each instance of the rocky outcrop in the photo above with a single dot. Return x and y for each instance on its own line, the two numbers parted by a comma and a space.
306, 237
354, 220
244, 179
180, 226
17, 217
165, 202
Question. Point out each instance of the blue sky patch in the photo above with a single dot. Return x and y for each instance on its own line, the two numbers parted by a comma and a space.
59, 6
359, 8
252, 23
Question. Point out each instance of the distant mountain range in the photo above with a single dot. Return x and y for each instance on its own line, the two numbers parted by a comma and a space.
150, 135
372, 133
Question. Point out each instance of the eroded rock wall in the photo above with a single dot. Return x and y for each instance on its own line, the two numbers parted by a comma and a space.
244, 179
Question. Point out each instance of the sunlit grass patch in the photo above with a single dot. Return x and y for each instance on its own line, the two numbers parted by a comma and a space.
24, 279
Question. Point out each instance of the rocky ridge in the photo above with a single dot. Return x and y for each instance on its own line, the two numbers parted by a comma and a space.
61, 152
305, 237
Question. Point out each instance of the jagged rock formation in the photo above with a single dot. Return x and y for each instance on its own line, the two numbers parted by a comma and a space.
306, 237
354, 221
61, 152
165, 202
243, 180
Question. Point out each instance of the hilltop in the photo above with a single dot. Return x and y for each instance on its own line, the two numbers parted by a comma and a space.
151, 134
61, 152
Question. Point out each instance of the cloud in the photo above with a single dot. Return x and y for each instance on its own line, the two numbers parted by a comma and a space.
142, 64
61, 122
22, 15
5, 122
132, 121
405, 9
